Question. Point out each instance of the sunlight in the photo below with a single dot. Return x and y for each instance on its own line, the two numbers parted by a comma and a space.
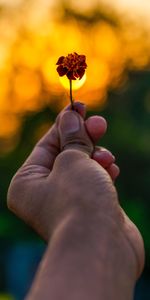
76, 84
29, 52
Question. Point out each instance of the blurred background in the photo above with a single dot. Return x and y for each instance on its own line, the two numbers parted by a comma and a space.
115, 37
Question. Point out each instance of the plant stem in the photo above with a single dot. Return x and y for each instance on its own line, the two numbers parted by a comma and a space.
71, 99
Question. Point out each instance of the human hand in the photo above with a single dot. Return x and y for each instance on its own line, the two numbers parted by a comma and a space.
38, 166
60, 179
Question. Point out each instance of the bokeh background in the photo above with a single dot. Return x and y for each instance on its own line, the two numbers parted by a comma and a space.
115, 37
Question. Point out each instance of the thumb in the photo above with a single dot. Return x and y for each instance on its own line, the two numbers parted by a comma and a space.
73, 134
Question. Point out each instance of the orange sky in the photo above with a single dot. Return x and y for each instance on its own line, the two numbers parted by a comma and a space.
33, 36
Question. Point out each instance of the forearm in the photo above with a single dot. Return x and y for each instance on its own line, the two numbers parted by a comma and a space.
86, 259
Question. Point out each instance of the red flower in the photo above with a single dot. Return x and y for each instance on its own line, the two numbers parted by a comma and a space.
73, 66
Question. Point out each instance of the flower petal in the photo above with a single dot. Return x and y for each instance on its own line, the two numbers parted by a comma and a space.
61, 70
70, 75
73, 66
60, 60
80, 72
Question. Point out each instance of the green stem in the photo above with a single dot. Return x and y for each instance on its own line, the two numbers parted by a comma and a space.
71, 99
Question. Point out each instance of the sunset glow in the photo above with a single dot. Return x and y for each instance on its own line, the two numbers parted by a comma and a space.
34, 35
76, 84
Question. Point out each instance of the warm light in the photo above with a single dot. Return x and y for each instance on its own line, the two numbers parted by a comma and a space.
26, 85
9, 124
76, 84
29, 52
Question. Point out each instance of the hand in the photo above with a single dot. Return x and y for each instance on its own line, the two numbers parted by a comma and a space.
59, 179
38, 166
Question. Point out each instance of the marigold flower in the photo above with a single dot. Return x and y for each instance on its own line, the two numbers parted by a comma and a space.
73, 66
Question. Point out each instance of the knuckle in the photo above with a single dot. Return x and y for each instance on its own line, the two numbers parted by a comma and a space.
78, 143
16, 192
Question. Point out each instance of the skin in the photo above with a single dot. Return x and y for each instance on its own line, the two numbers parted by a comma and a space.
65, 191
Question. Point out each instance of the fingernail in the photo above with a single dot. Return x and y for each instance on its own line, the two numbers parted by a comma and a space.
80, 108
114, 158
80, 104
69, 122
76, 104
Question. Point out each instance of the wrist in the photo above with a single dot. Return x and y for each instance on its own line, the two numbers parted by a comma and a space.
97, 237
87, 259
